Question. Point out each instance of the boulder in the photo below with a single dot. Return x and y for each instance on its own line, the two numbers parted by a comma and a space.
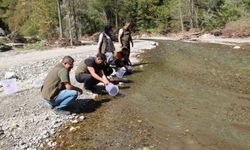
4, 48
2, 32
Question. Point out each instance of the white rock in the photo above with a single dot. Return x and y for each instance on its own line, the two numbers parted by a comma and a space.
81, 117
236, 47
9, 75
74, 121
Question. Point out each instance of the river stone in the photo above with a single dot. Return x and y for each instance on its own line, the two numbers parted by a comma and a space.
9, 75
236, 47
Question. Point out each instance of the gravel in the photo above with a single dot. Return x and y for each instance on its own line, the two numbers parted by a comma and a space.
25, 120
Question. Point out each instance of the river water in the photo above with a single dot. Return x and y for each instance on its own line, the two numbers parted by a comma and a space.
182, 96
197, 93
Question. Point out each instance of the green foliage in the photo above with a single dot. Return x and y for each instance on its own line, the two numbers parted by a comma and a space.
44, 17
29, 28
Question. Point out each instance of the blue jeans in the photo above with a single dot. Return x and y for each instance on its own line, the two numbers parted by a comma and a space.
63, 99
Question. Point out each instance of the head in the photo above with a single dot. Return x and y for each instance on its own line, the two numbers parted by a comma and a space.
124, 51
126, 25
68, 62
100, 59
107, 29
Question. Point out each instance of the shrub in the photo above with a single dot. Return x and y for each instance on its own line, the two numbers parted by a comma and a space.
239, 28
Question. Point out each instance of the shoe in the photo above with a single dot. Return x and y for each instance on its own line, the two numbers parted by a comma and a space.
48, 104
60, 112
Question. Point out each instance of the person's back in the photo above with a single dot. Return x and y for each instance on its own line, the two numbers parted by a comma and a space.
53, 84
90, 71
88, 62
57, 89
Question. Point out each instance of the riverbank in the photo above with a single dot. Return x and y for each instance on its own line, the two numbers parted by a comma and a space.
197, 38
25, 118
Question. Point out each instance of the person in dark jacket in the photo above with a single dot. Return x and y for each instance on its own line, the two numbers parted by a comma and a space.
91, 71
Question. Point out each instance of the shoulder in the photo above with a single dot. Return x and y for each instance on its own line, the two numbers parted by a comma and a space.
121, 31
101, 35
63, 71
89, 61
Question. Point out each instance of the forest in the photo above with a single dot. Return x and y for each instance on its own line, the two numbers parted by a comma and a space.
74, 18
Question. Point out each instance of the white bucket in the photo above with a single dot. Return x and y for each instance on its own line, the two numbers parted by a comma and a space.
120, 72
112, 89
9, 86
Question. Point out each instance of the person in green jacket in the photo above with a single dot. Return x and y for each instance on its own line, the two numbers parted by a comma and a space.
124, 37
57, 89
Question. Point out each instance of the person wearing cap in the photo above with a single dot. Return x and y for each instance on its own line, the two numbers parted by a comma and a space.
90, 71
57, 89
105, 44
124, 37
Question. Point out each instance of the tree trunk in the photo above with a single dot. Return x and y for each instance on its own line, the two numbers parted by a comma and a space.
79, 28
105, 16
196, 19
59, 18
70, 28
180, 13
74, 17
116, 16
116, 21
191, 9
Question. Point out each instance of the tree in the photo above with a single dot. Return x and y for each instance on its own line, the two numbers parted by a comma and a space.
181, 19
60, 17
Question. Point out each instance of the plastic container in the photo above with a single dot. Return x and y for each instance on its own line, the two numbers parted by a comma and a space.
9, 86
120, 72
112, 89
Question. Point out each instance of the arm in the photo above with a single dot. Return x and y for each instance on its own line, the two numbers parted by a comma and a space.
120, 36
69, 86
64, 77
97, 77
105, 79
131, 40
100, 43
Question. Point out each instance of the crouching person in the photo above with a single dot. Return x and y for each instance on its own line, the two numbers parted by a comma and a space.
57, 89
91, 71
122, 60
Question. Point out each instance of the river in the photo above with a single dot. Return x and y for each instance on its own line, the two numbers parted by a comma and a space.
182, 96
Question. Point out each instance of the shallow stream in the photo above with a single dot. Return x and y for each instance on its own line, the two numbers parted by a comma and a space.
183, 96
198, 89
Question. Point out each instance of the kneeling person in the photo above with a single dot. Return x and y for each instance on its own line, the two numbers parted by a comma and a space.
122, 60
90, 71
57, 89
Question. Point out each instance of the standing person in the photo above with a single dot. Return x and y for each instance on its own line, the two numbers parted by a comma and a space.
105, 44
124, 37
57, 89
90, 71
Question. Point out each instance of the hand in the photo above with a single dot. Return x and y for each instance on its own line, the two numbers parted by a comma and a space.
106, 82
80, 91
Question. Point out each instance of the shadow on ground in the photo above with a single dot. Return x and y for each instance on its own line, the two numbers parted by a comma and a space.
140, 63
86, 105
